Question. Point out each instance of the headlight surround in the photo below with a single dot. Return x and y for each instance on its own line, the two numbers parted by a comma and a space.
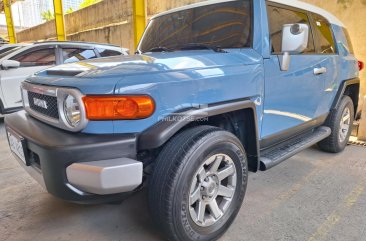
72, 111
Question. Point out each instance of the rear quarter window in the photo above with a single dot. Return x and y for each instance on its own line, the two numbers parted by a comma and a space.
349, 41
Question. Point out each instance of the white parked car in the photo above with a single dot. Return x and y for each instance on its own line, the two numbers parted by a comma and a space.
7, 47
23, 60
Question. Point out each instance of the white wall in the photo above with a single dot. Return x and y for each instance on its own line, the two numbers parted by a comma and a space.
16, 9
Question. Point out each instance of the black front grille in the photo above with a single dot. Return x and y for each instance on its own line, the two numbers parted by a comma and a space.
50, 109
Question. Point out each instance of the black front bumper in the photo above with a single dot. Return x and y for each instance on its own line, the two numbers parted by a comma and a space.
50, 150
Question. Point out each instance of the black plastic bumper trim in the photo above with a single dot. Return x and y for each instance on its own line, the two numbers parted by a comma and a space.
58, 149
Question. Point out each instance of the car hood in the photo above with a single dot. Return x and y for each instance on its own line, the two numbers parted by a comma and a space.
108, 71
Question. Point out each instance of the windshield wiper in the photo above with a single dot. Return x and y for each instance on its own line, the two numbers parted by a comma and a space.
193, 46
159, 49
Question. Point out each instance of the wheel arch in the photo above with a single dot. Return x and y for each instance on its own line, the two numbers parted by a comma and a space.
238, 117
351, 88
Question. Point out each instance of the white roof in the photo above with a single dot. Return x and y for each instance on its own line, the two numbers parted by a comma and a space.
292, 3
194, 5
311, 8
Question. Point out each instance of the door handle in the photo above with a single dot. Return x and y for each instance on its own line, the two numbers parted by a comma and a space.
318, 71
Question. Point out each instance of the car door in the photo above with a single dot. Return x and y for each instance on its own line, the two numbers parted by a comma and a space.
292, 98
329, 59
31, 61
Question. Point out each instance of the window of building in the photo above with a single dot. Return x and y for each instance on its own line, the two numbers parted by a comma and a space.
279, 17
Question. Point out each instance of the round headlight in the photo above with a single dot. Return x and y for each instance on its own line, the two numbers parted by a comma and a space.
72, 111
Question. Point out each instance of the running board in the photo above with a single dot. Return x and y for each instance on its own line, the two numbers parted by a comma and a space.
276, 155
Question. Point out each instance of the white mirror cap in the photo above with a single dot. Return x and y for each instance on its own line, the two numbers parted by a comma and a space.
295, 37
10, 63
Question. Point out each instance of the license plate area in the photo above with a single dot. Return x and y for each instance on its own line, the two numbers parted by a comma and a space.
18, 146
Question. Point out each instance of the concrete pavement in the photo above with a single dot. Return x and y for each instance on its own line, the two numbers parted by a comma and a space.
313, 196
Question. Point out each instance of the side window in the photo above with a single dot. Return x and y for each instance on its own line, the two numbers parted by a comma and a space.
349, 42
6, 49
325, 35
71, 55
37, 58
278, 17
108, 52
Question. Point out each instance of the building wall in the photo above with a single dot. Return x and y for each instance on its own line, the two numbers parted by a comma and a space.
30, 10
107, 22
352, 13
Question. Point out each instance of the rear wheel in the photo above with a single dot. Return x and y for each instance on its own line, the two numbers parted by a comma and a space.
198, 184
340, 121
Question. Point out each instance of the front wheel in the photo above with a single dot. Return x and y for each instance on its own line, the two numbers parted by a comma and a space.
198, 184
340, 121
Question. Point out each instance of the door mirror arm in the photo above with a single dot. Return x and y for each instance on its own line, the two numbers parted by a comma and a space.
285, 61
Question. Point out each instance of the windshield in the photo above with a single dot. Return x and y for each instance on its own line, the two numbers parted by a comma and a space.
9, 51
224, 25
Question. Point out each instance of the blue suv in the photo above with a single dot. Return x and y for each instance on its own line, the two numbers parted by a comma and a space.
215, 90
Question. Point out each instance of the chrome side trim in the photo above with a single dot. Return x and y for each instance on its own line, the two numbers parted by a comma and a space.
61, 94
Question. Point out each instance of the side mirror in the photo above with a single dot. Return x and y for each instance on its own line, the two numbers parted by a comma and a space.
295, 39
8, 64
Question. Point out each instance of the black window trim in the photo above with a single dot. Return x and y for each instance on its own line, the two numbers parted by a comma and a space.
307, 13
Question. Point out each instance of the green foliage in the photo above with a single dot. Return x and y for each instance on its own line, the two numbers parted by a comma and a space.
87, 3
70, 10
47, 15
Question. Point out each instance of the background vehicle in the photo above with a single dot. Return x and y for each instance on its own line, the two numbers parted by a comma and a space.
23, 60
218, 89
7, 47
3, 41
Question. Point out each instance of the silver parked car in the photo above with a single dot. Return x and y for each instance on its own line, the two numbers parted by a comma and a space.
19, 61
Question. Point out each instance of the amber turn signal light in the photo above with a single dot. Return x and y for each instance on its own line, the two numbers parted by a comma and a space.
118, 107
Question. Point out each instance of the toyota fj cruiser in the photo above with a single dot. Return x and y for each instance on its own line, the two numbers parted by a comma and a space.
215, 90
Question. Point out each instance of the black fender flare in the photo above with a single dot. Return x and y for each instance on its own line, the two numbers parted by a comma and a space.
341, 90
158, 134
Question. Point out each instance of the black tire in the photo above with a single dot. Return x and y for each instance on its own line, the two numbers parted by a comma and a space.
333, 144
170, 185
